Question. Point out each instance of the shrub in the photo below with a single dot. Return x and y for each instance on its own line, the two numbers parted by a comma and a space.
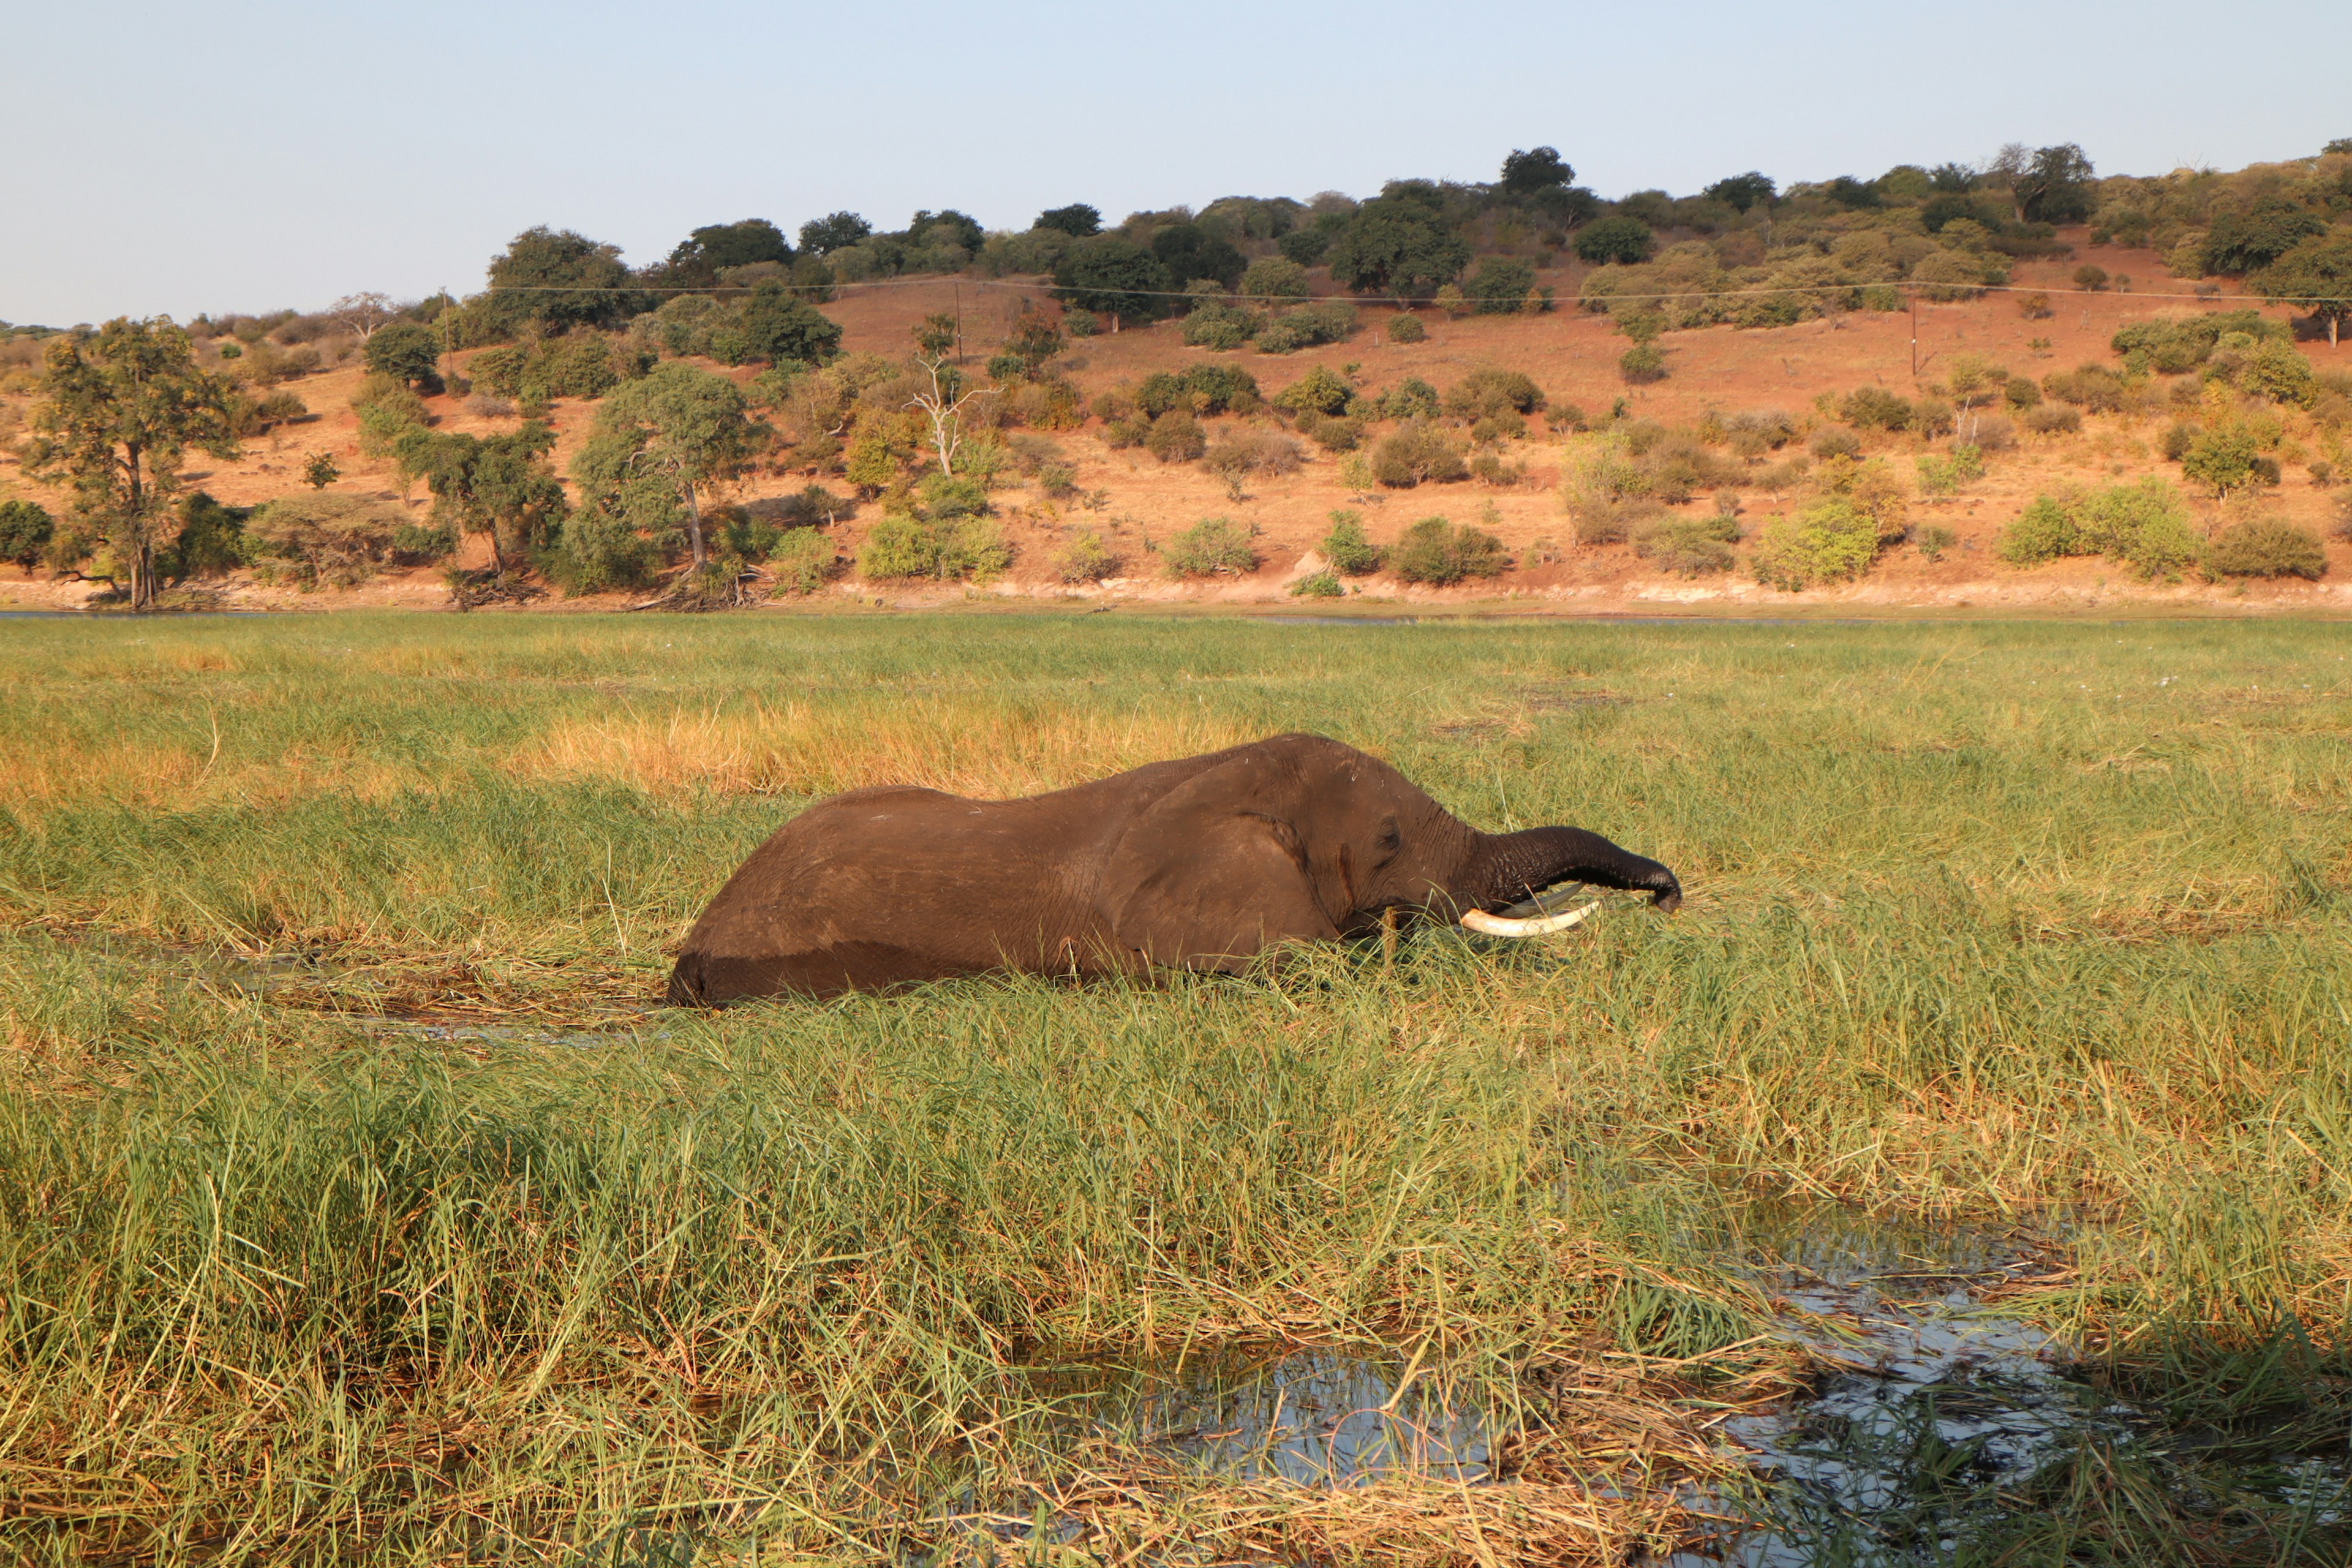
1275, 280
1212, 547
598, 552
1220, 327
1624, 240
581, 366
803, 561
1241, 452
415, 546
1080, 323
339, 539
2090, 276
1175, 437
1411, 398
2266, 547
1347, 548
2053, 420
902, 545
1875, 408
1318, 586
1405, 328
1332, 435
1325, 322
2144, 526
1439, 552
2045, 530
2092, 387
1418, 454
1500, 286
1643, 364
1320, 391
2277, 371
406, 351
1832, 442
1831, 541
1489, 391
1754, 432
2020, 391
2224, 459
2034, 307
946, 496
782, 328
1689, 546
1934, 540
1086, 559
1203, 389
25, 530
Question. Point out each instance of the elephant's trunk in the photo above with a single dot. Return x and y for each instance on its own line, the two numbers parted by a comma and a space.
1507, 868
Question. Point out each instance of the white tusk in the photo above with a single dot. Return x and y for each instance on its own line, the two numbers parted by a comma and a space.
1548, 902
1497, 925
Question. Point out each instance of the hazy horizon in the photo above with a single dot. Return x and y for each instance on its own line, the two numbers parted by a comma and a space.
263, 156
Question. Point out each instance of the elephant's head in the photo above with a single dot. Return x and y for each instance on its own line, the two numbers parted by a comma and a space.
1301, 838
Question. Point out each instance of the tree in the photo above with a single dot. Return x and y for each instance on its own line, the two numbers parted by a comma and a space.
2244, 241
362, 315
682, 423
1619, 239
1113, 276
700, 257
958, 228
1501, 286
321, 470
408, 352
121, 408
1539, 169
495, 485
944, 402
26, 530
1744, 191
2316, 277
559, 279
782, 328
1397, 244
824, 236
2052, 185
1189, 251
1078, 220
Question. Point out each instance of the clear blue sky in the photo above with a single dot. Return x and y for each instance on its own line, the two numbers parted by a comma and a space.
248, 155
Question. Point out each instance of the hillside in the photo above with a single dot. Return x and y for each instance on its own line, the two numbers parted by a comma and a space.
1137, 502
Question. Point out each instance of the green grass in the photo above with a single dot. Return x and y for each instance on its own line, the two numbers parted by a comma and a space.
2016, 924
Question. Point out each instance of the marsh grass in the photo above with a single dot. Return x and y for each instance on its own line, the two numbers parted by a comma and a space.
2011, 925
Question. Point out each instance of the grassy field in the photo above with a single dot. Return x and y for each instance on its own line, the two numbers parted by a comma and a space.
2041, 926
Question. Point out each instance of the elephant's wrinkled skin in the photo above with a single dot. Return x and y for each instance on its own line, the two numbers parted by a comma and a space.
1197, 864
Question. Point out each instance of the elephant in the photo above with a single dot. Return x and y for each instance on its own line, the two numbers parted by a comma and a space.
1204, 863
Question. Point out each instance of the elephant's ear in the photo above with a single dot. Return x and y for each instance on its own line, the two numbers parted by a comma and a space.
1215, 872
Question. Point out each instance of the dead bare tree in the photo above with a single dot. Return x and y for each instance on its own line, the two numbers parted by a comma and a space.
943, 405
362, 315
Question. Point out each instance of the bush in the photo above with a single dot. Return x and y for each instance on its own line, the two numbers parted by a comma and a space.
1347, 548
1320, 391
803, 561
1624, 240
1689, 546
1411, 398
1086, 559
1832, 442
415, 546
1275, 280
1643, 364
1500, 286
2145, 526
782, 328
338, 540
1875, 408
1418, 454
408, 352
1241, 452
1405, 328
902, 545
1833, 541
1318, 586
2090, 276
1490, 391
581, 366
2266, 547
2053, 420
26, 530
943, 497
1940, 475
2224, 459
1175, 437
1438, 552
2277, 371
1325, 322
1220, 328
1080, 323
1203, 389
1212, 547
2045, 530
1332, 435
2092, 387
2034, 307
597, 552
2020, 391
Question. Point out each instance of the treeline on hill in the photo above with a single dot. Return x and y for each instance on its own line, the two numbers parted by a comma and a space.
926, 439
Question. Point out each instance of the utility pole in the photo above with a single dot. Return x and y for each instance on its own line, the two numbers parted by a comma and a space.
959, 308
1915, 334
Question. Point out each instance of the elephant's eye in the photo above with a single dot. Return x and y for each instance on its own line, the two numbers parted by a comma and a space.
1390, 841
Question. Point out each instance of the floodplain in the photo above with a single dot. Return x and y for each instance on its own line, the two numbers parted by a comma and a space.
360, 1204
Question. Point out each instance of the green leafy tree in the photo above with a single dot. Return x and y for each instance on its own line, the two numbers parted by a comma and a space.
26, 530
949, 226
1625, 240
782, 328
1192, 250
1743, 193
1440, 552
1500, 286
700, 257
1114, 277
2260, 235
497, 486
321, 470
2315, 276
2052, 184
1276, 281
558, 279
120, 410
408, 352
1535, 169
1397, 245
681, 423
1078, 220
838, 231
1347, 548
